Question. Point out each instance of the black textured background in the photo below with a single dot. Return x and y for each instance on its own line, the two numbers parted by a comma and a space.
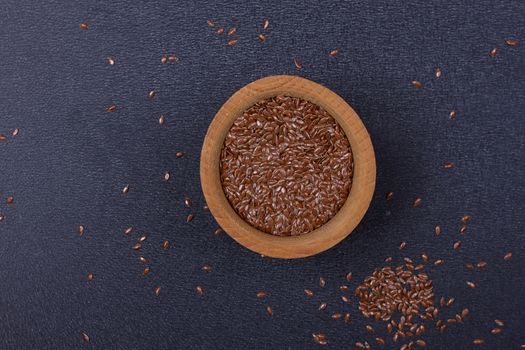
71, 159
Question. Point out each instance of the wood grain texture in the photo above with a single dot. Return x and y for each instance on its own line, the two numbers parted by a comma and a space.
348, 217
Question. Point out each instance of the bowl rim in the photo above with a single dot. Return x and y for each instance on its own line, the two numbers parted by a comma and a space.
364, 174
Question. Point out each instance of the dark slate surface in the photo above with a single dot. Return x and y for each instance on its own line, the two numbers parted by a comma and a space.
71, 159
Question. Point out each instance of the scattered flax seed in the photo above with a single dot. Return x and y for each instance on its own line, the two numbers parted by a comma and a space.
269, 311
322, 282
152, 93
232, 31
2, 137
232, 42
500, 323
90, 276
309, 293
465, 312
206, 268
336, 316
187, 202
167, 176
471, 285
463, 230
438, 72
334, 53
507, 256
349, 276
190, 217
511, 42
2, 216
128, 231
380, 341
450, 301
220, 31
322, 306
421, 343
369, 328
469, 266
424, 257
110, 60
477, 341
81, 230
262, 38
84, 25
442, 301
466, 218
448, 165
85, 337
166, 245
15, 132
389, 196
359, 345
418, 201
320, 338
481, 265
344, 289
111, 109
162, 120
210, 23
146, 271
388, 260
493, 52
261, 295
417, 84
163, 58
348, 317
157, 291
179, 154
402, 245
266, 23
496, 331
137, 246
438, 262
345, 299
457, 245
142, 238
218, 231
452, 115
143, 260
173, 58
125, 189
199, 291
297, 63
10, 200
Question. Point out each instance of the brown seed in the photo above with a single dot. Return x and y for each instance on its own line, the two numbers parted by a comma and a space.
421, 343
179, 154
450, 301
345, 299
166, 245
469, 266
15, 132
349, 276
128, 231
322, 282
463, 230
389, 196
448, 165
359, 345
210, 23
466, 218
417, 202
111, 108
336, 316
81, 230
402, 245
163, 58
493, 52
90, 276
137, 246
218, 231
232, 31
442, 301
269, 311
424, 257
157, 291
187, 202
125, 189
261, 295
457, 245
266, 23
85, 337
199, 291
261, 37
84, 25
464, 313
320, 338
438, 72
110, 60
438, 262
146, 271
388, 260
167, 176
232, 42
206, 268
2, 137
173, 58
334, 53
452, 115
507, 256
162, 120
380, 341
496, 331
322, 306
142, 238
500, 323
2, 217
482, 264
348, 318
309, 293
369, 328
471, 285
190, 217
297, 63
477, 341
344, 289
152, 93
220, 31
511, 42
417, 84
143, 260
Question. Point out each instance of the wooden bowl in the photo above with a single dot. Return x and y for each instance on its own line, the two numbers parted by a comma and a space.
337, 228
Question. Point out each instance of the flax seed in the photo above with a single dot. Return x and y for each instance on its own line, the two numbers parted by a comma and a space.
232, 42
334, 53
128, 231
493, 52
110, 60
167, 176
477, 341
471, 285
438, 72
349, 277
345, 299
507, 256
499, 323
137, 246
417, 202
261, 37
266, 24
152, 94
269, 311
369, 328
344, 289
511, 42
179, 154
210, 23
457, 245
125, 189
81, 230
261, 295
481, 264
380, 341
322, 282
348, 318
15, 132
496, 331
111, 108
450, 301
438, 262
448, 165
417, 84
336, 316
199, 291
322, 306
146, 271
164, 59
85, 337
320, 338
206, 268
452, 115
142, 238
464, 313
297, 63
166, 245
190, 217
162, 120
424, 257
157, 291
173, 58
2, 137
218, 231
389, 196
388, 260
220, 31
90, 276
232, 31
402, 245
143, 260
309, 293
84, 25
463, 230
469, 266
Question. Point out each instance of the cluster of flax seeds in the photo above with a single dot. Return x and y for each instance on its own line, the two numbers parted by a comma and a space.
232, 31
286, 166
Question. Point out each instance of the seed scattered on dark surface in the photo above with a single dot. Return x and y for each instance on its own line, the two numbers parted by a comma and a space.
232, 42
380, 341
464, 312
448, 165
388, 259
210, 23
261, 37
334, 53
418, 202
232, 31
438, 72
3, 137
345, 299
152, 93
85, 337
173, 58
463, 230
344, 289
81, 230
90, 276
167, 176
128, 231
199, 290
481, 265
166, 245
179, 154
15, 132
190, 217
163, 58
261, 295
111, 108
322, 282
421, 343
457, 245
477, 341
424, 257
469, 266
84, 25
146, 271
206, 268
309, 293
499, 323
157, 291
137, 246
220, 31
466, 218
452, 115
349, 276
496, 331
389, 196
507, 256
266, 24
336, 316
110, 60
402, 245
298, 64
322, 306
187, 202
269, 311
369, 328
417, 84
450, 301
320, 338
471, 285
162, 120
493, 52
142, 238
125, 189
143, 260
439, 262
348, 318
2, 217
511, 42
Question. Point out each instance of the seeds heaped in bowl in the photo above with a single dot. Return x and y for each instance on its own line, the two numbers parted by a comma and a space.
361, 173
286, 166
